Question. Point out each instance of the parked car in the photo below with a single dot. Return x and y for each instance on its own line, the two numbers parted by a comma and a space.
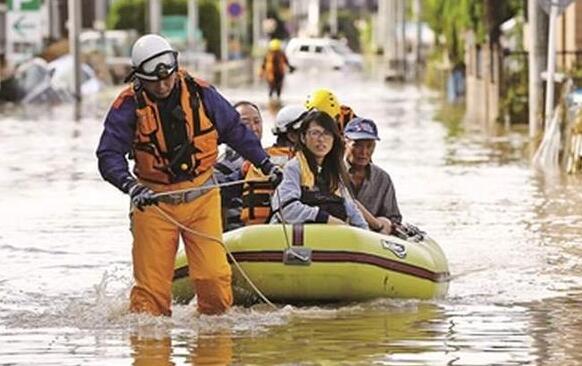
322, 52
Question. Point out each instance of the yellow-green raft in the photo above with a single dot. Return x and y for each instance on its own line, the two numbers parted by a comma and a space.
328, 263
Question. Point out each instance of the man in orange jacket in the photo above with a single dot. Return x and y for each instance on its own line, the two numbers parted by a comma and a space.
171, 124
274, 67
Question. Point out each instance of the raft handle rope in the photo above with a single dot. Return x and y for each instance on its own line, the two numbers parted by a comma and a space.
234, 183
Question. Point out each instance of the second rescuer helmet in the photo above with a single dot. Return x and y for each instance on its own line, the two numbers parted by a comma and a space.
153, 58
275, 44
288, 118
323, 100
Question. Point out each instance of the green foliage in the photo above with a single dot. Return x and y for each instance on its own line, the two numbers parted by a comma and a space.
514, 102
450, 19
127, 14
131, 14
434, 76
209, 23
347, 28
576, 73
451, 115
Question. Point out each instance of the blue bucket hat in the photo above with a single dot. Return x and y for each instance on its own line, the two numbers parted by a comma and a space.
361, 129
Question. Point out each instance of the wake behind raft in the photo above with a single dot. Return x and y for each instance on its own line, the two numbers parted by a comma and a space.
318, 263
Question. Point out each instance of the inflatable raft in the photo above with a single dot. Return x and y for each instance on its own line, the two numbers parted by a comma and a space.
328, 263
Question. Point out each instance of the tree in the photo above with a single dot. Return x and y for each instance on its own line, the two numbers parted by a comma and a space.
131, 14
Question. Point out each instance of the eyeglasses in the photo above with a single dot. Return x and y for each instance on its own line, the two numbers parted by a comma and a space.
316, 133
158, 67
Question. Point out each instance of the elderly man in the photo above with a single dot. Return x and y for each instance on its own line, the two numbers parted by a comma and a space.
228, 167
371, 185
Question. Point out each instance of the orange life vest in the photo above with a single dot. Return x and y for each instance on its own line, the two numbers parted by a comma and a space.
274, 65
346, 115
149, 147
256, 196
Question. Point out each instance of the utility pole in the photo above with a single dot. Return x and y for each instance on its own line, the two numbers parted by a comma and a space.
74, 8
313, 18
548, 112
418, 53
100, 15
99, 23
54, 20
381, 29
391, 40
223, 42
402, 52
155, 16
193, 24
537, 41
257, 23
223, 31
333, 23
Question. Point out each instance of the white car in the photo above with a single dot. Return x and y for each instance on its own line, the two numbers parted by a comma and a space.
324, 53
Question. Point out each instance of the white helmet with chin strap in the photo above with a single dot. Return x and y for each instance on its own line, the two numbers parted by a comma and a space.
288, 118
153, 58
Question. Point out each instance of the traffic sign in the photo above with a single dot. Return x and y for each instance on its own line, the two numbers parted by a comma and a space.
561, 4
234, 9
24, 5
23, 26
23, 35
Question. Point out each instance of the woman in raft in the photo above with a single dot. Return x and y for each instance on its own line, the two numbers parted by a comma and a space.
313, 189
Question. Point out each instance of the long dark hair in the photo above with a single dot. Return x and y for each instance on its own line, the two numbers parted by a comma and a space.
334, 170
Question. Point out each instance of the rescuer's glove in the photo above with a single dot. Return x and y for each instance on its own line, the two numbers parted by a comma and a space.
141, 195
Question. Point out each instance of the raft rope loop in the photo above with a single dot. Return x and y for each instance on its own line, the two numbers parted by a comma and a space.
169, 217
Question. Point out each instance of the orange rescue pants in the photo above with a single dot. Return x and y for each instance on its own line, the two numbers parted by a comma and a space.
155, 243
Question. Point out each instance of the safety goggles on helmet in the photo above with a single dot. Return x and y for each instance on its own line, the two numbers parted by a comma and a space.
157, 67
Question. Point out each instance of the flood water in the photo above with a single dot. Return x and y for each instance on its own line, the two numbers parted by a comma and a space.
513, 238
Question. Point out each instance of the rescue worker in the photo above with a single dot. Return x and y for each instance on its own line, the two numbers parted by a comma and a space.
324, 100
229, 167
369, 183
171, 124
313, 188
274, 67
256, 196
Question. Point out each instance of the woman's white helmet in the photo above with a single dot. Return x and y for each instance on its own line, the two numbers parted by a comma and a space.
153, 58
288, 118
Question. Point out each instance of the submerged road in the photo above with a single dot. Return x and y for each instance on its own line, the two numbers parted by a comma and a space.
513, 238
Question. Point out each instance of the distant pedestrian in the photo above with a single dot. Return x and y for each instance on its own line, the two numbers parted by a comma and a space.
274, 67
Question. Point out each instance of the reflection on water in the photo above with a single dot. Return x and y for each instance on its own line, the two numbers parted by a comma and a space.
513, 238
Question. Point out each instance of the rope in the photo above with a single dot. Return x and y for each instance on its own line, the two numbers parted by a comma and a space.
210, 237
211, 186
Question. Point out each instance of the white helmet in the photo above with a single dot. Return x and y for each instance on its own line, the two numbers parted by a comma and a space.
288, 117
153, 58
